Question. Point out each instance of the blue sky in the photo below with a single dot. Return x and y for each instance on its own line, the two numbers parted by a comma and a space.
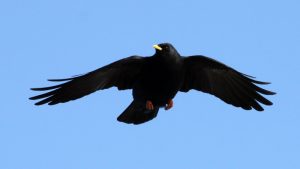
56, 39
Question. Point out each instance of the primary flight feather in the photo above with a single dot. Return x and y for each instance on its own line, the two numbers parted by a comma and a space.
155, 81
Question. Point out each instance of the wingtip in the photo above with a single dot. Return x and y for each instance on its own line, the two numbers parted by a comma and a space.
259, 82
38, 89
251, 78
267, 92
247, 75
61, 80
54, 80
272, 93
34, 89
39, 103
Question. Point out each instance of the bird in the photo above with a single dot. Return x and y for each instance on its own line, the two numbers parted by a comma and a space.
155, 80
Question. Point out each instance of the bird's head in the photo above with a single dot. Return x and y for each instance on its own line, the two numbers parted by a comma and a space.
165, 50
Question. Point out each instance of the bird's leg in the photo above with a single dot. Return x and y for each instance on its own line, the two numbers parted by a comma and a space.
149, 105
169, 104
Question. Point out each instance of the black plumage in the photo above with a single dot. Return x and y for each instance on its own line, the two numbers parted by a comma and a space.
155, 81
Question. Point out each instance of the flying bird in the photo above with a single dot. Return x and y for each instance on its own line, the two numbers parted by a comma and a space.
155, 81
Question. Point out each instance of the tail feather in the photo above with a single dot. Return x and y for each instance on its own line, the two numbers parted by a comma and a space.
137, 113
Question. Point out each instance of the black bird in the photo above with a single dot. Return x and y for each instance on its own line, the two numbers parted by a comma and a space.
156, 80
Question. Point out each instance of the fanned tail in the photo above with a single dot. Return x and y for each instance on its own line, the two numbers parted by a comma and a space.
136, 113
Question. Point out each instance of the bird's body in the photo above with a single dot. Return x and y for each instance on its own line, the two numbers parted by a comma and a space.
156, 80
159, 81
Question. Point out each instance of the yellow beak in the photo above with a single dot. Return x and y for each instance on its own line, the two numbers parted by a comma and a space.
157, 47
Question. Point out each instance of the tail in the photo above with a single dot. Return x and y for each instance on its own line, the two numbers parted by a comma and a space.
137, 113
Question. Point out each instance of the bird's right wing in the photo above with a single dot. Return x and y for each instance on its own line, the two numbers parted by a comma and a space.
121, 74
213, 77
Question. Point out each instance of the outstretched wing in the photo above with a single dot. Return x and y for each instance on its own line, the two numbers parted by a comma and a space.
121, 74
210, 76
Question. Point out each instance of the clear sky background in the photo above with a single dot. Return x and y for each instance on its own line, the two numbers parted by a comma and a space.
57, 39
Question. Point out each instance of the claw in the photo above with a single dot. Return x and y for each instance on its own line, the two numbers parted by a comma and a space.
149, 105
169, 104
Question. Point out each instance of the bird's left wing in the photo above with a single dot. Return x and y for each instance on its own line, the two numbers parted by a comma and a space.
210, 76
121, 74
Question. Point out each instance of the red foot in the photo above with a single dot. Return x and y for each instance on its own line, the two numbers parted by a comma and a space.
169, 104
149, 105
